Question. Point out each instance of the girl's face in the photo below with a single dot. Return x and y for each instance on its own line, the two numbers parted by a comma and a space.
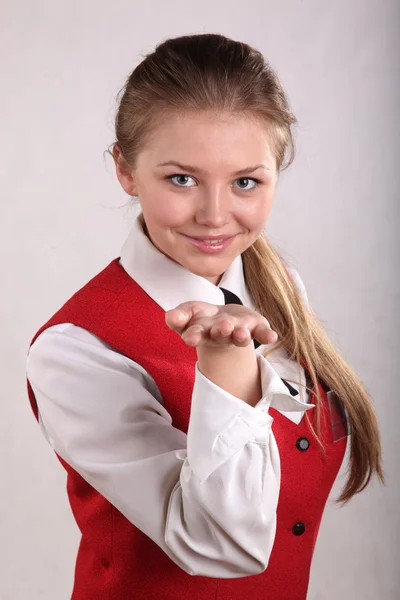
210, 187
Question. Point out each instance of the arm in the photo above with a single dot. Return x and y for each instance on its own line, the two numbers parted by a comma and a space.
227, 368
103, 414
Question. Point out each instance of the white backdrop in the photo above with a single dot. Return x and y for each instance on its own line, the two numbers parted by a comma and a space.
64, 217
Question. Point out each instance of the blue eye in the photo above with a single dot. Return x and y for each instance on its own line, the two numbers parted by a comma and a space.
256, 182
180, 180
179, 176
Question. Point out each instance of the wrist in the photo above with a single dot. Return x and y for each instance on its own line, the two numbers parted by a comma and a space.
234, 369
228, 355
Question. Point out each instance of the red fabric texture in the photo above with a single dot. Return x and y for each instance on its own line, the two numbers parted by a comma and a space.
116, 561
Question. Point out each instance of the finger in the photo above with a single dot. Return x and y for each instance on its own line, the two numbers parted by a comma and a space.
193, 335
241, 336
264, 334
221, 329
177, 319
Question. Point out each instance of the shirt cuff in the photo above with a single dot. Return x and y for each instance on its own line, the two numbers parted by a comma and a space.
221, 424
275, 392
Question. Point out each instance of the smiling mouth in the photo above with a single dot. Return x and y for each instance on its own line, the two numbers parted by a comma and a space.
210, 238
210, 246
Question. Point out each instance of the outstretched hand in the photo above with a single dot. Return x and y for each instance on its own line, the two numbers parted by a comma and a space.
201, 324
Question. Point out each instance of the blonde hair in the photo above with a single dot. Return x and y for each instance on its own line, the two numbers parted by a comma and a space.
213, 72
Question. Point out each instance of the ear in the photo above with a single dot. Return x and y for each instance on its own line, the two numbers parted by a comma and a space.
124, 173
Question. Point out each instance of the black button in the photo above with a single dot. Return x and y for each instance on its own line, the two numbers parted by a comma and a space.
299, 528
303, 444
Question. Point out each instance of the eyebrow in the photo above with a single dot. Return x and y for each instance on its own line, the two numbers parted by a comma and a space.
196, 170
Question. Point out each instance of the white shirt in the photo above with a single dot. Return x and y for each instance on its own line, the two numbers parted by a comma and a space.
208, 498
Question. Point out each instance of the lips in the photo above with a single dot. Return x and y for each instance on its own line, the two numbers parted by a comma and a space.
211, 244
209, 238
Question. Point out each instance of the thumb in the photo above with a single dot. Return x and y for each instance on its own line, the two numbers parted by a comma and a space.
177, 319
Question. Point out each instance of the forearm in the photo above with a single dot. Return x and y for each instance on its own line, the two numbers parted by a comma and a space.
233, 369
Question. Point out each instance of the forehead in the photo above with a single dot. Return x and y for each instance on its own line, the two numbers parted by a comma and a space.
207, 139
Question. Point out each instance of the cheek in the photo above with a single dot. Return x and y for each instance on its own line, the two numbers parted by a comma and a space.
254, 219
256, 214
168, 211
268, 200
159, 203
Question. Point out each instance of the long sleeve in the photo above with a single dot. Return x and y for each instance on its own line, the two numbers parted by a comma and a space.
208, 498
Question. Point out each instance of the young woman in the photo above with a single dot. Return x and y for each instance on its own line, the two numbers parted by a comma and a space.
192, 395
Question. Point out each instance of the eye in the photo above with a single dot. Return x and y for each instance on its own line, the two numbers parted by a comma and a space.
246, 180
181, 178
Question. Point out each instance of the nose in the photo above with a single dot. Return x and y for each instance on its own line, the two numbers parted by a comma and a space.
214, 208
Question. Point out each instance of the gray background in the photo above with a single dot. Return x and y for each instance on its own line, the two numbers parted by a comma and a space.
64, 217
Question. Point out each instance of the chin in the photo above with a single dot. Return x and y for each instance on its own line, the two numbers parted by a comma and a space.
206, 272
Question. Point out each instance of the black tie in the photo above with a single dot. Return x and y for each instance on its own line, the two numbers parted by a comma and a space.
231, 298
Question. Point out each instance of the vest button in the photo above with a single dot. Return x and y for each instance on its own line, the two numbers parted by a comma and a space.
299, 528
303, 444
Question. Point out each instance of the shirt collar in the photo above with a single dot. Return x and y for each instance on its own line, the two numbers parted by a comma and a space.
168, 283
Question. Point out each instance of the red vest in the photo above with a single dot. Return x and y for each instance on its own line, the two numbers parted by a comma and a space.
116, 561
